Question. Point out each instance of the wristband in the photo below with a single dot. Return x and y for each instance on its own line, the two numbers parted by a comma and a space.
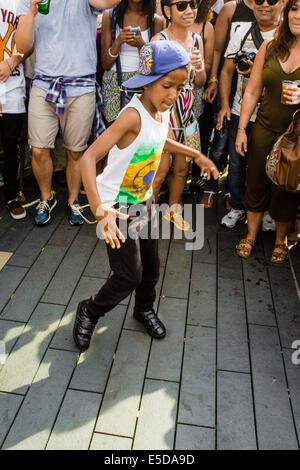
112, 55
213, 80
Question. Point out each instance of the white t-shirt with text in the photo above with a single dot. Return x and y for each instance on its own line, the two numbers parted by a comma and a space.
12, 92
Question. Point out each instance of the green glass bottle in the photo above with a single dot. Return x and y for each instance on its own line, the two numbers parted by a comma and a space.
44, 7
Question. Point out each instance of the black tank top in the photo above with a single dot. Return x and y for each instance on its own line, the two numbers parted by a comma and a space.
242, 13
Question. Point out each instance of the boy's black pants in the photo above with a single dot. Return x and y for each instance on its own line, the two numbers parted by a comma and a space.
135, 266
10, 129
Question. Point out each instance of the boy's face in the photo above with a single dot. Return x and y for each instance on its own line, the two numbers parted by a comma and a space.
164, 92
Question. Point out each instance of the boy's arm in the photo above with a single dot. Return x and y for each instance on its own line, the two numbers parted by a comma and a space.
206, 165
103, 4
126, 126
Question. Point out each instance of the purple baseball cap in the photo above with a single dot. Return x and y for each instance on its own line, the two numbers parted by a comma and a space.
158, 58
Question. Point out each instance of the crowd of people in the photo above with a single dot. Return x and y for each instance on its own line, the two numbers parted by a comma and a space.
120, 92
61, 84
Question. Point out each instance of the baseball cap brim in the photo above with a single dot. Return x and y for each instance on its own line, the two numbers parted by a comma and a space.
139, 80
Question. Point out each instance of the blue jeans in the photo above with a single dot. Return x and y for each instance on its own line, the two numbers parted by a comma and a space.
237, 165
218, 153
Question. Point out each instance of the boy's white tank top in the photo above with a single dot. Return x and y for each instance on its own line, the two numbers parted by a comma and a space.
129, 173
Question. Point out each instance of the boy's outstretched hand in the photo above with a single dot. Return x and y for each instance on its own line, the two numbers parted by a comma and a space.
207, 166
106, 217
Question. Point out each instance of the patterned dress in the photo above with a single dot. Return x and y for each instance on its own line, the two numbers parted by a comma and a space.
182, 114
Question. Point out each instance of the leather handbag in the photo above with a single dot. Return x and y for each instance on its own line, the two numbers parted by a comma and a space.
283, 162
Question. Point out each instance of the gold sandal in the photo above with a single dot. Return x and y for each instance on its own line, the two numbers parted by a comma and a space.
243, 250
279, 254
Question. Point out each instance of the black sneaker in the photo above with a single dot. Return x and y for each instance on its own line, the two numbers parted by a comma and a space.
84, 326
153, 324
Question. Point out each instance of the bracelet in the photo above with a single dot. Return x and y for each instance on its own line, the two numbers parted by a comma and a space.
213, 80
112, 55
242, 129
11, 70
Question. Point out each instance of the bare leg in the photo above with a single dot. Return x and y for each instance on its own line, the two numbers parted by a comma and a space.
161, 174
245, 248
254, 221
180, 171
282, 229
73, 175
43, 169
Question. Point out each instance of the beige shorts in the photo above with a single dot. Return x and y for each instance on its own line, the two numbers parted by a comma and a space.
76, 122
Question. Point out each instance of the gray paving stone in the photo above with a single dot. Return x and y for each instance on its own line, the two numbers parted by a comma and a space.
202, 299
157, 417
130, 322
107, 442
35, 241
75, 422
94, 365
121, 400
208, 254
32, 287
98, 265
163, 250
35, 419
66, 277
198, 385
235, 419
9, 405
64, 234
15, 234
194, 438
63, 338
229, 264
259, 302
233, 350
166, 354
270, 391
10, 278
286, 302
5, 223
177, 276
23, 362
9, 333
293, 378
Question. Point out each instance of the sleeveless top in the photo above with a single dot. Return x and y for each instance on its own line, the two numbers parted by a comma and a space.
242, 14
182, 113
272, 114
129, 55
130, 172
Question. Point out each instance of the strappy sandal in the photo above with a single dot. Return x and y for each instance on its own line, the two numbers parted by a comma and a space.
279, 254
243, 250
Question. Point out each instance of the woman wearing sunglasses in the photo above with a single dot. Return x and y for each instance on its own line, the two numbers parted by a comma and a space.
180, 16
277, 60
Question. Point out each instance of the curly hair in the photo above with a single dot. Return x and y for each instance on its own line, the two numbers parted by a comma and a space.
148, 7
283, 38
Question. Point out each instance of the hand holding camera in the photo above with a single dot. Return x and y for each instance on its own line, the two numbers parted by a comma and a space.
244, 62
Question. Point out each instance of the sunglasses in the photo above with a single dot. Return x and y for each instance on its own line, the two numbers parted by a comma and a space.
182, 5
271, 3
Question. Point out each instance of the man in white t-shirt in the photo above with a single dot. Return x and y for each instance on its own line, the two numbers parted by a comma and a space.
247, 40
12, 104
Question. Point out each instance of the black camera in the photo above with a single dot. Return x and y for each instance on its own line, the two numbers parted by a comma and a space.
241, 60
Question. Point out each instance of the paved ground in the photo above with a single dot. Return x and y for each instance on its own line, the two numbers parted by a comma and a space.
222, 378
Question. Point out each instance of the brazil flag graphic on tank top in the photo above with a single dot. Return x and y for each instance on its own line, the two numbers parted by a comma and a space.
136, 186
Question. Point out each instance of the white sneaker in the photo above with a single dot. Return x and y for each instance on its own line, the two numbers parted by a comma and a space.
230, 220
268, 224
